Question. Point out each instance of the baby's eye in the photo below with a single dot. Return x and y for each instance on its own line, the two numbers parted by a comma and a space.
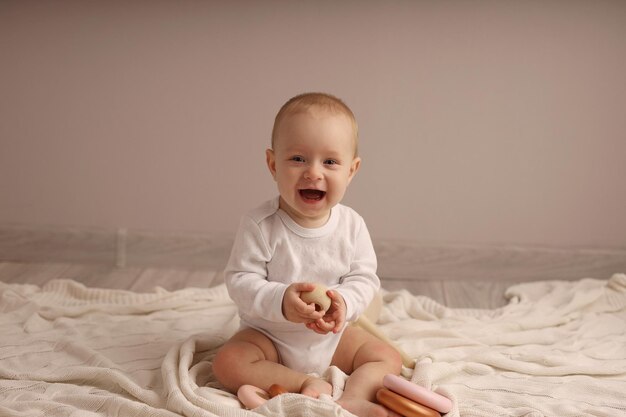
297, 158
331, 162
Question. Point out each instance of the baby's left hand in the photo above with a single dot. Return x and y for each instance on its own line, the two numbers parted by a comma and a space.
335, 317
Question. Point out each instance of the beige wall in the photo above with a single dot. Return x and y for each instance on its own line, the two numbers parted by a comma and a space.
481, 121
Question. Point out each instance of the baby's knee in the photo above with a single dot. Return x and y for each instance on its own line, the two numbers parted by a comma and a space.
221, 362
391, 357
225, 365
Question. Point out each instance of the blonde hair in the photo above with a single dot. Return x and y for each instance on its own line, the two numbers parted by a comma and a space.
328, 102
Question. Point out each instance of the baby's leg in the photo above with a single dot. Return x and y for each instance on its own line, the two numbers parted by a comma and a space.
367, 360
250, 357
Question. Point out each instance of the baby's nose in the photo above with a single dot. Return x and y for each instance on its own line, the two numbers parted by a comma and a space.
313, 172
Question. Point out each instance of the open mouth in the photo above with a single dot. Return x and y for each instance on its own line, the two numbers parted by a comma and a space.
312, 195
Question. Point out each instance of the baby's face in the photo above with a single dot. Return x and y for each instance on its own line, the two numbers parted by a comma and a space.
313, 162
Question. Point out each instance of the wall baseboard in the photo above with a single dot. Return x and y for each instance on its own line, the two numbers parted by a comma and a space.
404, 260
113, 247
399, 260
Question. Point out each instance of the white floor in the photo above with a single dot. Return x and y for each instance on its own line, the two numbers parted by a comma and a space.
472, 276
472, 293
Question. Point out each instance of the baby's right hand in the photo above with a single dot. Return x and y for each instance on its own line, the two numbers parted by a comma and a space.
296, 310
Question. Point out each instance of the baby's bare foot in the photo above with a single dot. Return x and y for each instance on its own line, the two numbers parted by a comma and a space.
364, 408
313, 387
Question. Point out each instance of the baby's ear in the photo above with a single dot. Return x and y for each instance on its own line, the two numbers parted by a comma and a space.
271, 162
354, 167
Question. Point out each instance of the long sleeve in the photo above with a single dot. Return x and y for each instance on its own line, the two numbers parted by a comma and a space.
246, 275
360, 285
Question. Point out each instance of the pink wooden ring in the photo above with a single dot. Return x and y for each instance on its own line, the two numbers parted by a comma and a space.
416, 393
251, 396
404, 406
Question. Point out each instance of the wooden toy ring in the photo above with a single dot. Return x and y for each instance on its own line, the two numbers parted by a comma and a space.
404, 406
417, 393
318, 297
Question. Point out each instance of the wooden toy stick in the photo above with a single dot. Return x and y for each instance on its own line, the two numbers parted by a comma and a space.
322, 301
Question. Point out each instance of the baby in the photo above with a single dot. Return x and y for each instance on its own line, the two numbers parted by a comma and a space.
290, 243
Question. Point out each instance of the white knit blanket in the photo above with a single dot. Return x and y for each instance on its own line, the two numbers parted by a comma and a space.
557, 349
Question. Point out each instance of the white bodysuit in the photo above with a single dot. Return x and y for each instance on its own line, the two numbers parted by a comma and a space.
271, 251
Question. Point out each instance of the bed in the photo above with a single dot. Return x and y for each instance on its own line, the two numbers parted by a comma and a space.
77, 345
